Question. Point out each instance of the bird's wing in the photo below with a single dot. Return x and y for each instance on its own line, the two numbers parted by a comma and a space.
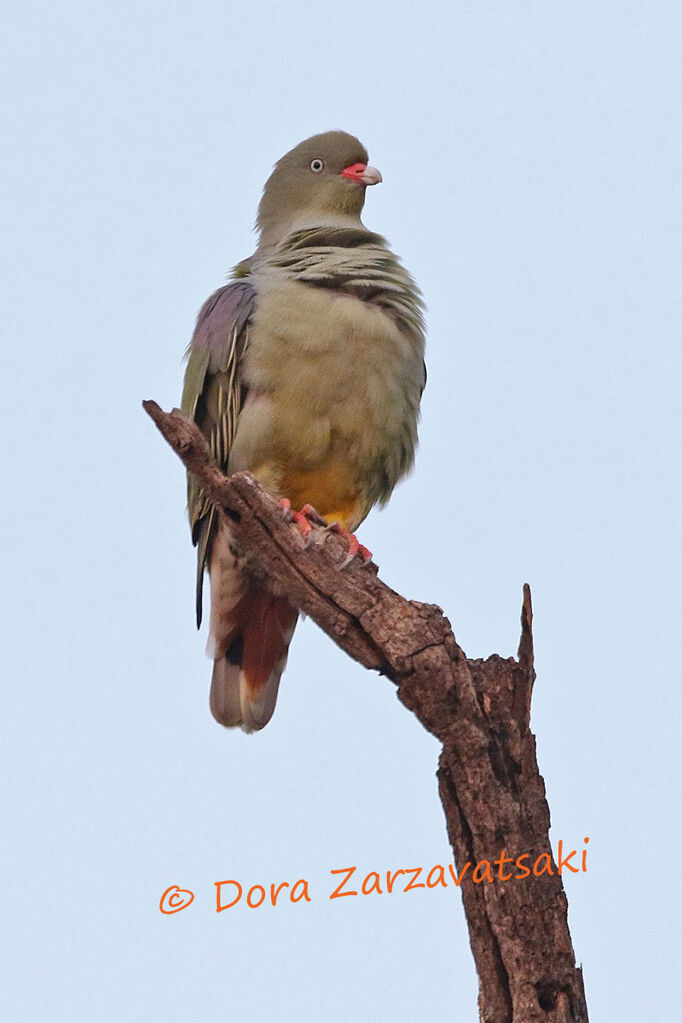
213, 396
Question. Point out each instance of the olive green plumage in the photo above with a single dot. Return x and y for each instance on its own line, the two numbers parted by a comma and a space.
307, 370
293, 191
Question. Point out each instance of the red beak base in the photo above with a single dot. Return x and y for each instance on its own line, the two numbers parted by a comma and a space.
362, 174
354, 172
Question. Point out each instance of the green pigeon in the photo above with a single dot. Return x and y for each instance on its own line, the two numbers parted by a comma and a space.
307, 371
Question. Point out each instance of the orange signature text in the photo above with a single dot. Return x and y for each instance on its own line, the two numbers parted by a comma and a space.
346, 881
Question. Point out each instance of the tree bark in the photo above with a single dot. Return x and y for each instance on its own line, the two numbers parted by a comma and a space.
491, 790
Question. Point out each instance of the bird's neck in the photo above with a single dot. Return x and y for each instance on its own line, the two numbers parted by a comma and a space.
273, 237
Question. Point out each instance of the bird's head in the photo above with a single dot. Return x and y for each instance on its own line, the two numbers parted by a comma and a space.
321, 180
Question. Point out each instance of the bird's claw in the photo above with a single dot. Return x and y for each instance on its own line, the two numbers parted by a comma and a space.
312, 515
302, 518
307, 516
355, 548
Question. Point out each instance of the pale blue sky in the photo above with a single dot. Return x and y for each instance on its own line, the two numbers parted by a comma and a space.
531, 159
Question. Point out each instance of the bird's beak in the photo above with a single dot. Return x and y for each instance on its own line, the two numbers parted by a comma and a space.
362, 174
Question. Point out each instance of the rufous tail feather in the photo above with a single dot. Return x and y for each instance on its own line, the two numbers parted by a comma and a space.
246, 676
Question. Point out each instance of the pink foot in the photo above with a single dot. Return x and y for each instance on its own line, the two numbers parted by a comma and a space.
312, 515
355, 548
302, 518
307, 516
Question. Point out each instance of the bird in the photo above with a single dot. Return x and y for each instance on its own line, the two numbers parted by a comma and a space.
306, 370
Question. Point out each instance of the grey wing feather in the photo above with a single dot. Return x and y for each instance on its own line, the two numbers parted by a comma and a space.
213, 395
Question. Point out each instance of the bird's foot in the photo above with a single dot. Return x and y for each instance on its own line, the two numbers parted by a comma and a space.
303, 518
355, 548
308, 516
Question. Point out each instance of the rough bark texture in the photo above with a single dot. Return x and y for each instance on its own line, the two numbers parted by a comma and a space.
492, 792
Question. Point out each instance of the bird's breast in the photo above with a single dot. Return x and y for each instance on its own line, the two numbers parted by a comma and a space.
338, 384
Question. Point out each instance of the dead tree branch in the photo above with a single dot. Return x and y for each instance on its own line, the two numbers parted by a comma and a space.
492, 792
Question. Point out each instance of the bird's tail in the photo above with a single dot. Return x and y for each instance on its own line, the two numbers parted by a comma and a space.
248, 668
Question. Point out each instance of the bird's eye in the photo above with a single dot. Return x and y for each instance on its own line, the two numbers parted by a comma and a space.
317, 166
